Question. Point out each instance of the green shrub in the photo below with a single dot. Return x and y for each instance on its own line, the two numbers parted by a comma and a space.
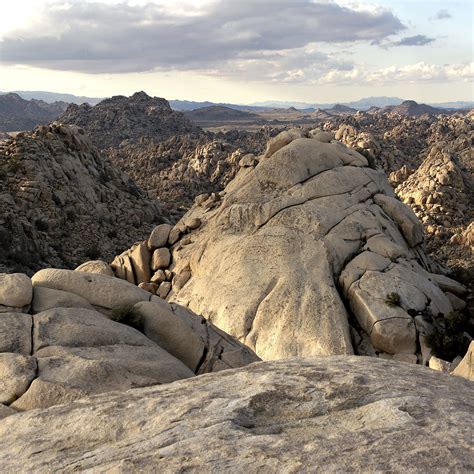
450, 336
103, 177
93, 252
13, 164
41, 225
125, 315
371, 162
70, 215
392, 299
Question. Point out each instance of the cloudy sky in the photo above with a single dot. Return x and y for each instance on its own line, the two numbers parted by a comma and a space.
240, 50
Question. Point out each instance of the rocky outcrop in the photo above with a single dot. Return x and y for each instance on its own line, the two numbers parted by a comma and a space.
161, 150
333, 414
441, 190
440, 193
91, 333
306, 253
61, 202
123, 120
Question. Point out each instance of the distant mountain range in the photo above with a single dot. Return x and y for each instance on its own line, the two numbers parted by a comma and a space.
361, 104
186, 105
51, 97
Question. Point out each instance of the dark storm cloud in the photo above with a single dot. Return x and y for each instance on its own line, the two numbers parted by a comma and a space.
418, 40
99, 38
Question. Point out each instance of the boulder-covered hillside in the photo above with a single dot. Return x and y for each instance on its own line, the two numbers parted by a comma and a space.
122, 120
62, 202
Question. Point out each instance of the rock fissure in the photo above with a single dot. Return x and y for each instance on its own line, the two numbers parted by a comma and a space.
253, 312
388, 319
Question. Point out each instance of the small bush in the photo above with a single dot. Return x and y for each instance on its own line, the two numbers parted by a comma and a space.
450, 336
23, 258
93, 252
42, 225
5, 238
125, 315
103, 177
392, 299
371, 162
57, 200
13, 164
70, 215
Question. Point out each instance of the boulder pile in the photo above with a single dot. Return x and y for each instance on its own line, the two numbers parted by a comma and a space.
180, 168
306, 252
440, 193
67, 334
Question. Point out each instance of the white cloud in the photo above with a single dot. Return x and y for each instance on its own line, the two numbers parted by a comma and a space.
412, 73
96, 37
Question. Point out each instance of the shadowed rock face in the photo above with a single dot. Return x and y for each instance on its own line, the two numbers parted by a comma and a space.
309, 253
334, 414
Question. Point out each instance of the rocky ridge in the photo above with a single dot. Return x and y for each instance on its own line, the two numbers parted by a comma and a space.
179, 169
161, 150
412, 109
61, 202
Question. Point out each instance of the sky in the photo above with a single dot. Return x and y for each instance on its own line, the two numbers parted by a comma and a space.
241, 51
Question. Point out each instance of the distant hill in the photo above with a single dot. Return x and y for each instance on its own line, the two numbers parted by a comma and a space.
51, 97
412, 109
219, 113
455, 105
340, 109
17, 114
128, 119
362, 104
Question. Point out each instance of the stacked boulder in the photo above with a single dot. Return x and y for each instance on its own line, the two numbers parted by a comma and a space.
306, 252
67, 334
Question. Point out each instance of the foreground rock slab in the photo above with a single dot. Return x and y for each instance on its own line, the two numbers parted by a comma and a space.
333, 414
